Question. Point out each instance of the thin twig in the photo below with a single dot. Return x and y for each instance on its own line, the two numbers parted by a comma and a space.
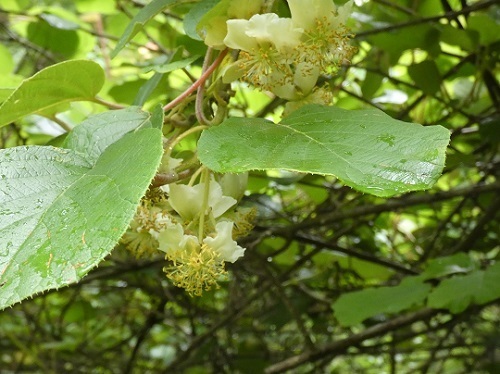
196, 84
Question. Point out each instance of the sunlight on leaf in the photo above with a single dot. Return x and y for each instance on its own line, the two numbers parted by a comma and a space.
64, 209
366, 149
74, 80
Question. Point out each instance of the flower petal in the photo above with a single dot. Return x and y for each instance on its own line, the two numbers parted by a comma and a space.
217, 201
237, 37
306, 12
173, 239
223, 242
186, 200
260, 31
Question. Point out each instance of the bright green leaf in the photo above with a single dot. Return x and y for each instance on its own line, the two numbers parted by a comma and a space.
58, 22
61, 42
8, 84
6, 61
171, 66
352, 308
147, 89
137, 23
366, 149
74, 80
458, 292
64, 209
216, 12
96, 6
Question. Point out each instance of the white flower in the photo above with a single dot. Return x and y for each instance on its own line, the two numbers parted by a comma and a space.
268, 46
262, 30
212, 26
307, 13
176, 244
172, 240
325, 39
197, 267
160, 221
234, 185
187, 201
168, 163
223, 243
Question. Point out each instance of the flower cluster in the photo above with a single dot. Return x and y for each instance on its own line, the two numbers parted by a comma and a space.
287, 55
195, 226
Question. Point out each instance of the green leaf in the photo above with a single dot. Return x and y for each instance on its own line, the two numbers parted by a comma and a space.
352, 308
6, 61
486, 26
371, 84
464, 39
137, 23
64, 209
59, 22
458, 292
442, 266
365, 149
172, 66
426, 76
147, 89
96, 6
8, 84
74, 80
60, 33
425, 36
218, 11
194, 16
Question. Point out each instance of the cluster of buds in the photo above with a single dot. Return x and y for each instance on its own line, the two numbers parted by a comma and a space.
287, 55
196, 227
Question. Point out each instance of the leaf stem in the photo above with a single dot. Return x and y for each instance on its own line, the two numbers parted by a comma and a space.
109, 104
200, 93
195, 175
206, 193
185, 134
61, 123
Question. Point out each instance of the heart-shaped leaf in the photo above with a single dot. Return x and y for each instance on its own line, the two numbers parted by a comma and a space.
74, 80
62, 210
366, 149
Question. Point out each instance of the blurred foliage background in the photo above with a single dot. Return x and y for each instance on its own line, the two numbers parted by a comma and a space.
333, 281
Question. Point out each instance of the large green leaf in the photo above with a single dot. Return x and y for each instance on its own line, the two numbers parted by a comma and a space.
74, 80
458, 292
352, 308
365, 149
64, 209
138, 22
8, 84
